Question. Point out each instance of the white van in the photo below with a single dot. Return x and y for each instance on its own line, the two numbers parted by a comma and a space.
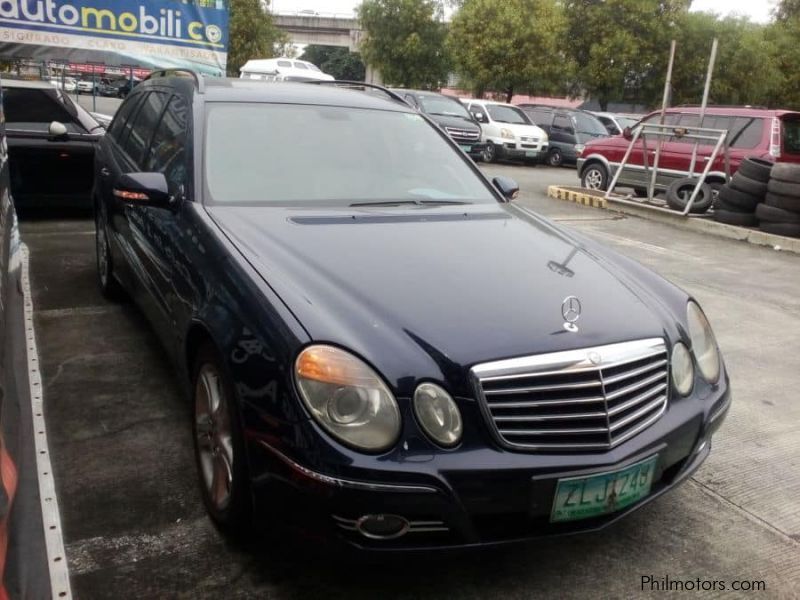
282, 69
509, 132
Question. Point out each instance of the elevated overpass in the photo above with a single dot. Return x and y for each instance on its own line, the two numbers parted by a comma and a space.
325, 30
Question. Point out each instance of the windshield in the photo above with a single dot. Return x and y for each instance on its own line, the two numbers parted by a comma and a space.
437, 105
589, 126
507, 114
296, 155
626, 122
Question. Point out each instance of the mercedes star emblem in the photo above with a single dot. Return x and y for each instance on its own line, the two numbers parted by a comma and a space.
571, 311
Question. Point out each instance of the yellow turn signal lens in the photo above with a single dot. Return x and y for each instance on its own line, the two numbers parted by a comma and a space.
328, 364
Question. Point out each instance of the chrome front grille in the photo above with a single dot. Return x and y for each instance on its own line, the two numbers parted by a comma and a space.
578, 400
463, 134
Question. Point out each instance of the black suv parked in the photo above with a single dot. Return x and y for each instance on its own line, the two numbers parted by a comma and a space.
450, 115
568, 130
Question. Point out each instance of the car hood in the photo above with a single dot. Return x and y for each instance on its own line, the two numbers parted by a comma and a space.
433, 291
457, 122
524, 130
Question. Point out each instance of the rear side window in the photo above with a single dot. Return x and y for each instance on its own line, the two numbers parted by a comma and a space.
746, 132
541, 116
284, 63
123, 114
563, 124
144, 124
610, 126
35, 109
167, 152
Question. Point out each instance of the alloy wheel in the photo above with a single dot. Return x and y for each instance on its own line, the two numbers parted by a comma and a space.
214, 437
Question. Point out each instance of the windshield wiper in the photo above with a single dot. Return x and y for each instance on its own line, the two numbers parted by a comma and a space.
409, 202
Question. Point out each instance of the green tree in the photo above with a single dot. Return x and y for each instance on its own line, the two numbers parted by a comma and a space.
252, 34
404, 40
621, 47
337, 61
745, 71
510, 45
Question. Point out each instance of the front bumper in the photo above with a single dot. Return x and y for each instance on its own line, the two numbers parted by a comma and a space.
473, 501
516, 150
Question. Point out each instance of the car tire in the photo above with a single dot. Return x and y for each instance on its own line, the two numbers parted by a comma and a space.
756, 168
490, 154
555, 158
744, 184
786, 229
219, 445
720, 204
595, 177
744, 201
109, 286
790, 203
784, 188
680, 191
735, 218
765, 212
786, 172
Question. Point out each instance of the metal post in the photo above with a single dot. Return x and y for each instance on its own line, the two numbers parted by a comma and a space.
665, 100
722, 137
634, 139
703, 106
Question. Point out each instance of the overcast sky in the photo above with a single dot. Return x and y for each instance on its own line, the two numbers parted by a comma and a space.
757, 10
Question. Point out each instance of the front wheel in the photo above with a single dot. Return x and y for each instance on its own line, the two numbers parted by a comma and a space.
490, 153
595, 177
109, 286
555, 158
219, 446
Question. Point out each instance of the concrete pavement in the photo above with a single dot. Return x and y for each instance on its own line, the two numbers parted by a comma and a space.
135, 526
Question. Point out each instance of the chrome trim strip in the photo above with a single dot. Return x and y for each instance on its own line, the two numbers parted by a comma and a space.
718, 413
559, 417
639, 413
571, 361
636, 386
628, 374
636, 400
539, 403
51, 519
639, 428
576, 430
349, 483
543, 388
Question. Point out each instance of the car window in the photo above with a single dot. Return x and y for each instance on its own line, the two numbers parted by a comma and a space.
507, 114
358, 155
563, 124
610, 126
123, 114
746, 132
299, 65
541, 116
143, 126
589, 125
166, 153
284, 63
34, 110
791, 136
442, 106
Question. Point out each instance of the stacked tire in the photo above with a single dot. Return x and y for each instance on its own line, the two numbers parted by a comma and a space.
737, 202
780, 212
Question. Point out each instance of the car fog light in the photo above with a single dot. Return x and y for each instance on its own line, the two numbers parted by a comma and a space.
382, 527
438, 414
704, 345
682, 369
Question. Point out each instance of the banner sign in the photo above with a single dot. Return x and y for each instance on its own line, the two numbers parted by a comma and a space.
149, 33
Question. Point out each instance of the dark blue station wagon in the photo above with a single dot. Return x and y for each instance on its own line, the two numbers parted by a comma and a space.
379, 347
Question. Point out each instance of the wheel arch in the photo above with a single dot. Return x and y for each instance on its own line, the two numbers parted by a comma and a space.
594, 159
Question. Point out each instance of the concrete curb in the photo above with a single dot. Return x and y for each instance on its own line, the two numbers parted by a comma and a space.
663, 215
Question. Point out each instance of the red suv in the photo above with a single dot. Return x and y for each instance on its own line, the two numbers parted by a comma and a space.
753, 132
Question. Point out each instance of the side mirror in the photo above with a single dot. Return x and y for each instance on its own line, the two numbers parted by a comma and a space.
148, 189
480, 117
507, 186
627, 133
57, 130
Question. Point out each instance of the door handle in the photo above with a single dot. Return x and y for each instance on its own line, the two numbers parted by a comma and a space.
105, 172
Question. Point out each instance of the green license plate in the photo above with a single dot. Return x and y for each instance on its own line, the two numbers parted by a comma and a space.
466, 148
584, 497
531, 153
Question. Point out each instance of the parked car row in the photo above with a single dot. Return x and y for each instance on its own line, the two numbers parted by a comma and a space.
116, 88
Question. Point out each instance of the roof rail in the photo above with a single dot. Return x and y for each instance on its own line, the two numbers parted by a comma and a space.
198, 79
758, 107
361, 84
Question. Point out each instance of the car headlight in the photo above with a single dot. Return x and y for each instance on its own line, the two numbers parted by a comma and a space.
704, 345
682, 369
438, 414
506, 133
347, 398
